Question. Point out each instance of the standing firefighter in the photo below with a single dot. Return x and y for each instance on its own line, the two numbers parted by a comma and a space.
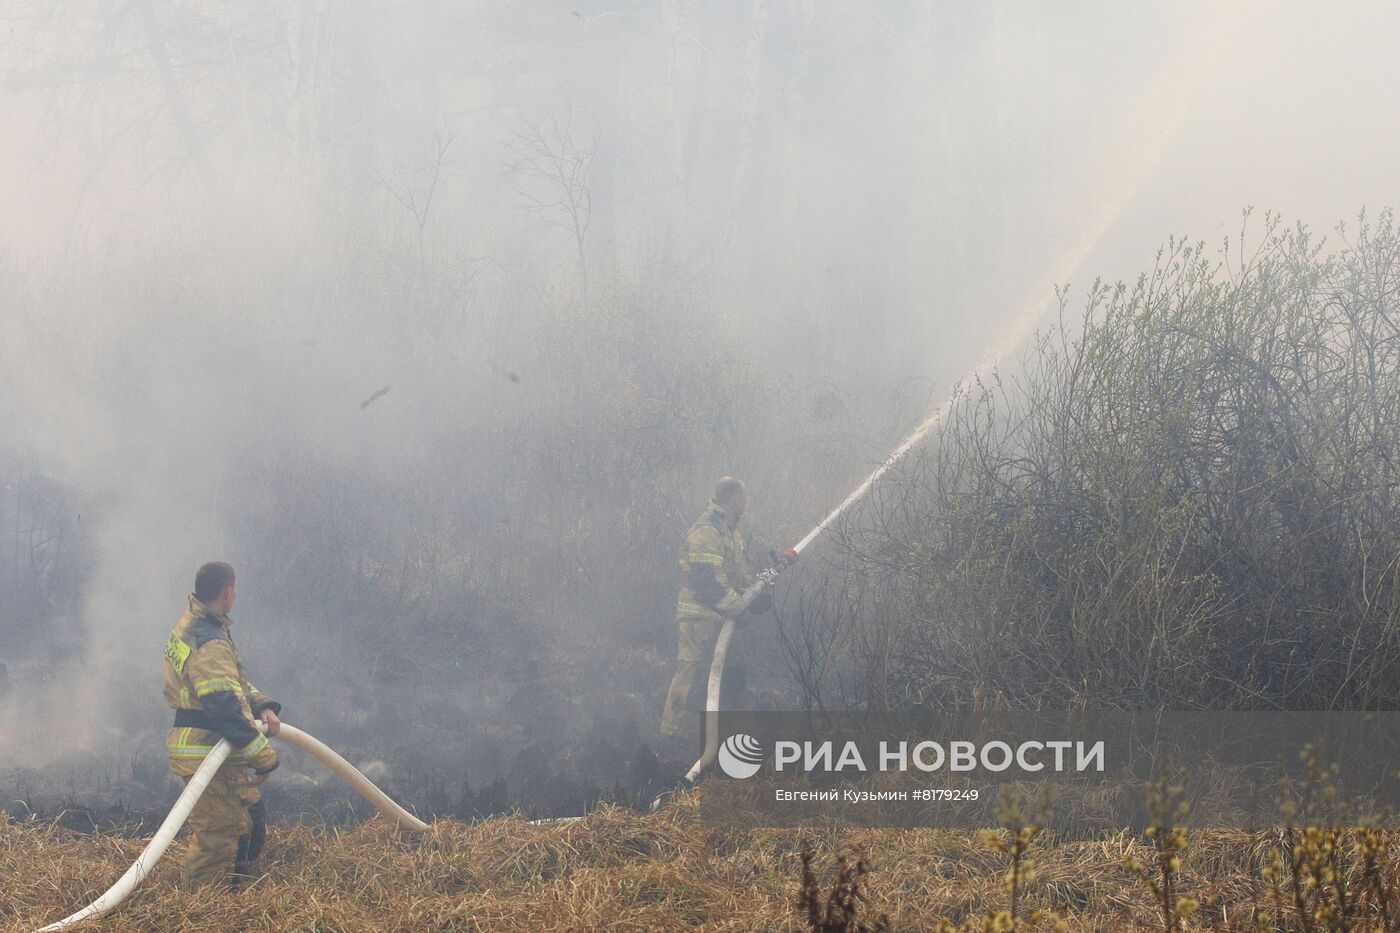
714, 575
206, 686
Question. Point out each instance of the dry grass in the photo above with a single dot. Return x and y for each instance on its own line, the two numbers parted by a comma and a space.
619, 870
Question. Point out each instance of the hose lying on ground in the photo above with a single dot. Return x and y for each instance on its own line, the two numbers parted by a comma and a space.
198, 782
351, 775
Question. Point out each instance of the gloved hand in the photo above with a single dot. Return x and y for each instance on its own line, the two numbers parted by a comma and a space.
761, 603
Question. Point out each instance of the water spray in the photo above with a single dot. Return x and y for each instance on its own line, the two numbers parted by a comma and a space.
1019, 331
196, 786
1170, 99
1013, 337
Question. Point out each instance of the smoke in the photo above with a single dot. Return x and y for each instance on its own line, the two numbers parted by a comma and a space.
597, 256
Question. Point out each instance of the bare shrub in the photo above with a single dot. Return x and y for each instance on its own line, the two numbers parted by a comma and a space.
1189, 502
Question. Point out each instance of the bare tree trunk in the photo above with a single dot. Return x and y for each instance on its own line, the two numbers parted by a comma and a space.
788, 221
748, 107
179, 109
694, 28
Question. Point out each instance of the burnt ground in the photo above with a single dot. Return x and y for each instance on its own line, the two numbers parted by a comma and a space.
534, 784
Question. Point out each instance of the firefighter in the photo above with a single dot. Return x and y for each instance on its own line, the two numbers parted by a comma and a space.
714, 574
206, 686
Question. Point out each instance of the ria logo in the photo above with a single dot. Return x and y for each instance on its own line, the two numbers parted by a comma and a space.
740, 756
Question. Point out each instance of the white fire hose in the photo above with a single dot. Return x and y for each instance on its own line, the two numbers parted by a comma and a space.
726, 632
198, 782
984, 369
707, 757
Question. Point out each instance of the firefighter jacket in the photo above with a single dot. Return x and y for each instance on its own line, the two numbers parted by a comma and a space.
714, 569
206, 686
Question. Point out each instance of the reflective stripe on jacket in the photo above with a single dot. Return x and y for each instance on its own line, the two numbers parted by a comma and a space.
714, 569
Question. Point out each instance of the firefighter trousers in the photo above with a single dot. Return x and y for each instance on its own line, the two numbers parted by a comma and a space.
685, 700
221, 829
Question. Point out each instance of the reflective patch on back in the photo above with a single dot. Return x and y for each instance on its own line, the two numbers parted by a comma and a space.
177, 653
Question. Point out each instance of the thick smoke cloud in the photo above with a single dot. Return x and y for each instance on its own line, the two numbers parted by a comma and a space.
642, 243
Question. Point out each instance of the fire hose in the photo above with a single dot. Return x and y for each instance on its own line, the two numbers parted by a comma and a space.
765, 581
382, 802
180, 812
984, 369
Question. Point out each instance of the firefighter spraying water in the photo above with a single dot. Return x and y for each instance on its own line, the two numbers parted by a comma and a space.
714, 548
714, 577
717, 589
